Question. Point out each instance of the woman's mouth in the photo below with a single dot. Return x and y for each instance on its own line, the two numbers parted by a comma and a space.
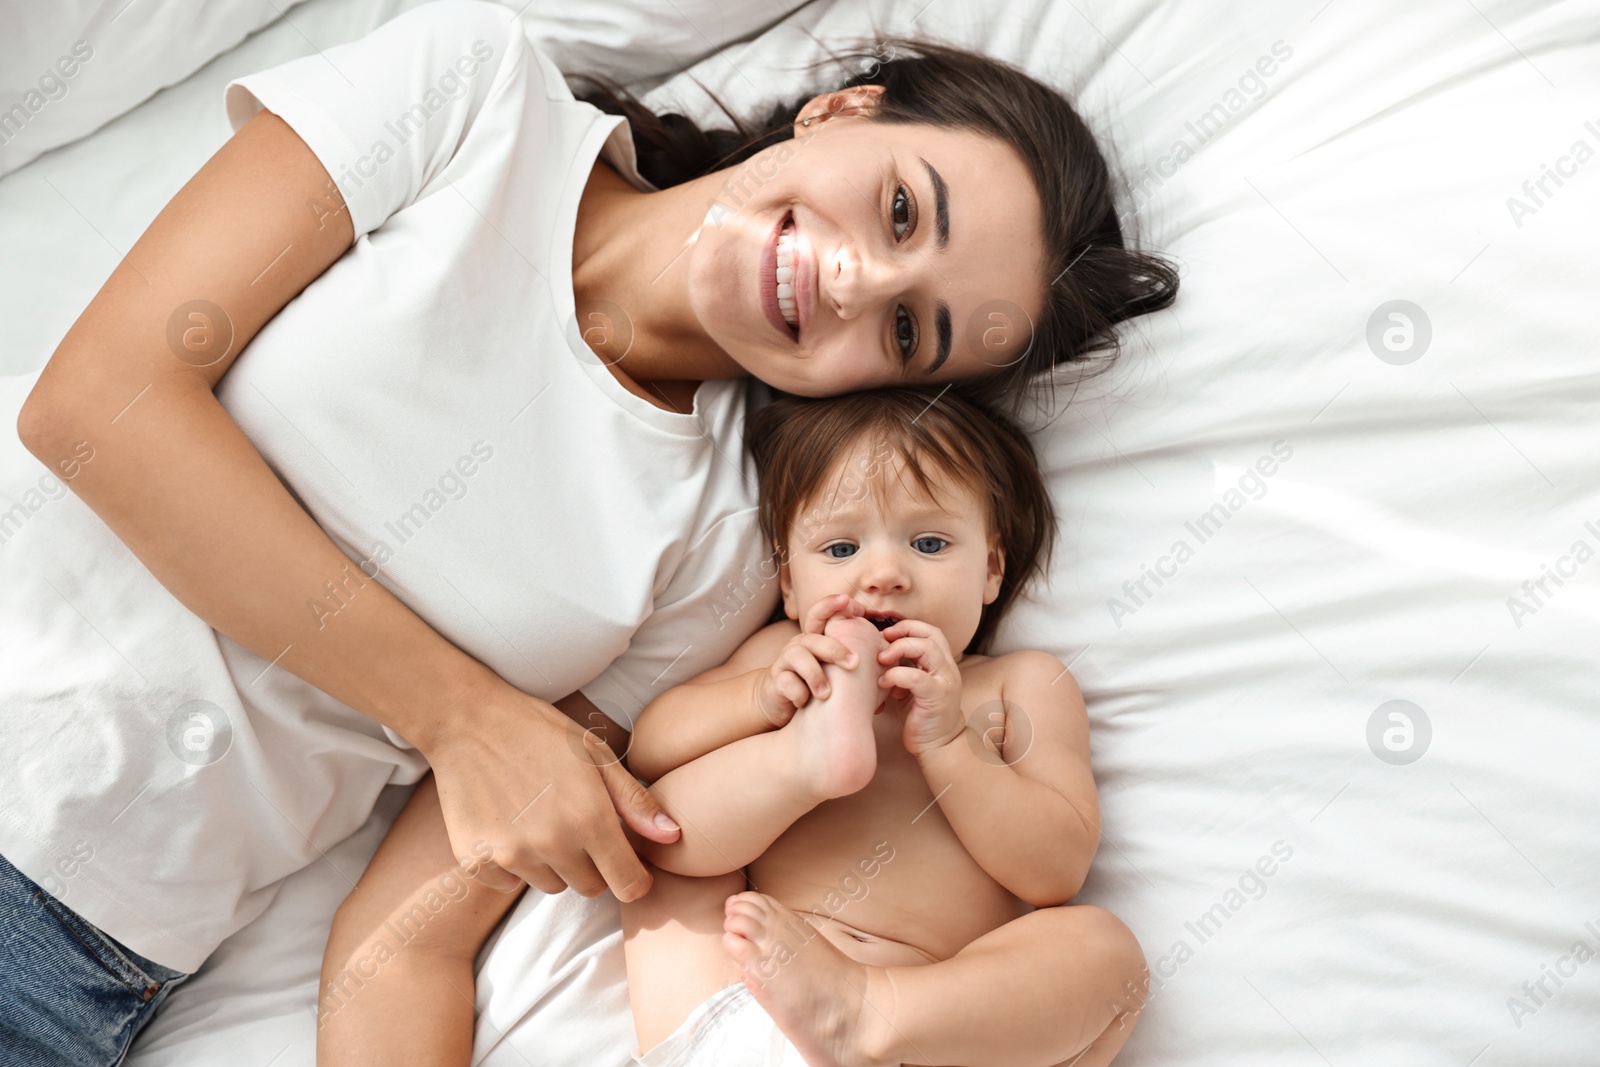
785, 275
781, 267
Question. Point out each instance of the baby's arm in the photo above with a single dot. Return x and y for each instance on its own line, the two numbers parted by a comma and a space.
1012, 781
734, 802
397, 974
725, 704
708, 711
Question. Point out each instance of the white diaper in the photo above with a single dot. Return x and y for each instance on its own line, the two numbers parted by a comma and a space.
728, 1029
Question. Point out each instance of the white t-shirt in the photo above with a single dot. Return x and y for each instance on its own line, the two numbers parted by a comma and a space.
432, 404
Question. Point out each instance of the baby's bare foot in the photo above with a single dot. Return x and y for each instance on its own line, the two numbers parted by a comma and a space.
841, 752
832, 1008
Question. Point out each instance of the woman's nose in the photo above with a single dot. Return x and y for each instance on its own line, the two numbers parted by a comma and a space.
856, 281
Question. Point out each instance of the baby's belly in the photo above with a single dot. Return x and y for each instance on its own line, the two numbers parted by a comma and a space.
885, 863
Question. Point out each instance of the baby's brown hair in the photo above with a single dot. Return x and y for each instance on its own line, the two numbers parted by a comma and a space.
797, 443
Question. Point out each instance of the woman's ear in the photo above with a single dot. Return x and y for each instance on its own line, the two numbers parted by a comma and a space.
997, 570
859, 100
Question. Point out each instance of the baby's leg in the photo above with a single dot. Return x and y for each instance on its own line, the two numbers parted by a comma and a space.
672, 938
735, 802
1058, 986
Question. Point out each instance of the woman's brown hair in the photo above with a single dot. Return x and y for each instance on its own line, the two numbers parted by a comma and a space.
1095, 279
797, 444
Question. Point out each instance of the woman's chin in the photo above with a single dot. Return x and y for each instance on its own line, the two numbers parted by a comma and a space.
762, 354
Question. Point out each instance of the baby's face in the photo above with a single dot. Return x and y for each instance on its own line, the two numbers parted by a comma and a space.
902, 554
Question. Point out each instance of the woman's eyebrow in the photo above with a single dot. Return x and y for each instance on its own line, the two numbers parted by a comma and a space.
941, 322
941, 208
941, 227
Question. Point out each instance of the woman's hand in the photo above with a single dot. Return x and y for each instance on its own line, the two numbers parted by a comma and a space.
796, 675
526, 787
933, 717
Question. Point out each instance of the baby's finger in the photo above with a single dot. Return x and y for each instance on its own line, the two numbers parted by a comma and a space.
918, 629
908, 678
909, 628
802, 663
829, 650
921, 649
840, 604
793, 689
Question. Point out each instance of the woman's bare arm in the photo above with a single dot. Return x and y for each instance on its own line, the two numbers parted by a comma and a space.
180, 479
182, 486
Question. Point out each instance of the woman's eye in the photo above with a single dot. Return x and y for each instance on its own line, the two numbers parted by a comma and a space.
841, 550
929, 545
903, 206
903, 213
905, 333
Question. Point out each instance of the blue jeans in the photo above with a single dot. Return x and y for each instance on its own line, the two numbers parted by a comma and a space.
69, 994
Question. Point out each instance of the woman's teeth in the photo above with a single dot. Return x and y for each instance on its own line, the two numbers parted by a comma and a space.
786, 302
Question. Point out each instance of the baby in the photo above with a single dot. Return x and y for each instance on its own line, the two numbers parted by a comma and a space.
871, 808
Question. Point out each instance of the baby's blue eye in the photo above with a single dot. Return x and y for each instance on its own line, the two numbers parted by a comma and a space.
848, 550
929, 545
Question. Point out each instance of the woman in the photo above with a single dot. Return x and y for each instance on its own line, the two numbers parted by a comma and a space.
479, 483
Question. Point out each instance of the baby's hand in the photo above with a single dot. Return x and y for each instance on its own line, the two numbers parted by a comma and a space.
840, 605
934, 717
796, 676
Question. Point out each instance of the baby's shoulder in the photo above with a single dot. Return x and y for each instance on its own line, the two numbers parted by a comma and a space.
1017, 671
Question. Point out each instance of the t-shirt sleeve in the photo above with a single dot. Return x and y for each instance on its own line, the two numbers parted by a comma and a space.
384, 114
722, 591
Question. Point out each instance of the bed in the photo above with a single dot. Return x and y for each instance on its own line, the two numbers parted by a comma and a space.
1331, 527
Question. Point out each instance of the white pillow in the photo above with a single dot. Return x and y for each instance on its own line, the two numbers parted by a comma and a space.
70, 66
639, 43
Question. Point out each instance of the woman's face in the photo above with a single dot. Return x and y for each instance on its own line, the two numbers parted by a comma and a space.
916, 255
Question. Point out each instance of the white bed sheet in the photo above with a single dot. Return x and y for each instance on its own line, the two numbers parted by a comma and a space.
1421, 903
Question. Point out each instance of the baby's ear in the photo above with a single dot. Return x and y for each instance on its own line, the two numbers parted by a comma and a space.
997, 569
786, 586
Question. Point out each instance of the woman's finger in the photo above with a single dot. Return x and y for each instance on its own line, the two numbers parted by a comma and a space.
540, 876
493, 875
591, 888
616, 864
579, 871
602, 856
637, 806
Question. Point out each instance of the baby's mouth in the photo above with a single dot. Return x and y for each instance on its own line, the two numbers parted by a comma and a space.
882, 621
